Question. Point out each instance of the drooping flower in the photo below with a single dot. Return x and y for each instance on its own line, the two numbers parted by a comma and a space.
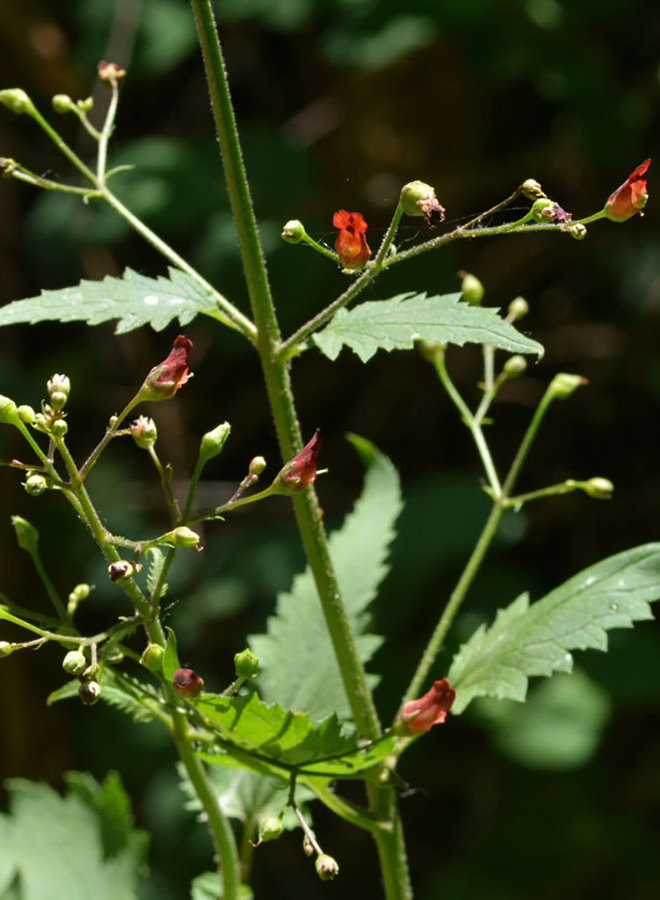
431, 709
300, 471
351, 243
165, 379
630, 197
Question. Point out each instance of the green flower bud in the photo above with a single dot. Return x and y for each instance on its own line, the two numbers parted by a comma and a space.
17, 101
270, 829
293, 232
152, 657
120, 571
518, 308
600, 488
144, 432
62, 103
327, 868
8, 411
114, 655
26, 414
532, 189
89, 692
40, 422
430, 350
563, 385
6, 649
539, 208
308, 847
26, 534
85, 105
247, 664
472, 289
213, 442
35, 484
578, 231
257, 466
74, 663
59, 428
515, 366
58, 385
181, 537
78, 594
419, 199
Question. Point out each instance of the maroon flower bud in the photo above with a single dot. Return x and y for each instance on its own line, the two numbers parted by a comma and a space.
120, 570
431, 709
89, 692
165, 379
630, 197
351, 243
187, 683
300, 472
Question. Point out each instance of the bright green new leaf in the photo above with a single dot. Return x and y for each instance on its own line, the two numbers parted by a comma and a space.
397, 323
79, 846
134, 299
171, 656
532, 640
298, 667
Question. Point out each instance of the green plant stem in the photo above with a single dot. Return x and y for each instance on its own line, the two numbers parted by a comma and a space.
362, 818
481, 548
104, 136
63, 147
278, 386
565, 487
166, 483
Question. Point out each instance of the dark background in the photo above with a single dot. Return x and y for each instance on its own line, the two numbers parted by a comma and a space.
340, 103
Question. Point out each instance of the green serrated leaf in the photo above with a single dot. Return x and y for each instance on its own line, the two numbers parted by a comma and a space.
129, 695
209, 887
266, 738
171, 656
134, 299
57, 848
298, 667
535, 640
397, 323
156, 564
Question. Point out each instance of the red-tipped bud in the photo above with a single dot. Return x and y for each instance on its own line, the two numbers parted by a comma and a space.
300, 472
187, 683
121, 570
630, 197
89, 692
431, 709
351, 243
165, 379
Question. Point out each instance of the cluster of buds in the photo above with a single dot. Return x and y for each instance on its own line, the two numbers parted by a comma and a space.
51, 419
75, 663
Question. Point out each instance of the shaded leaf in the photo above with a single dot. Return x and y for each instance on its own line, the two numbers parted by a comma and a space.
134, 299
529, 640
209, 887
298, 667
397, 323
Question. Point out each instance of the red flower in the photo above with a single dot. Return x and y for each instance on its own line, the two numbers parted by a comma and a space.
351, 243
165, 379
187, 683
431, 709
300, 472
631, 197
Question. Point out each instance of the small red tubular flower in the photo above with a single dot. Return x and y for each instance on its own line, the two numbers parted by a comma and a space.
300, 472
631, 197
351, 243
431, 709
187, 683
165, 379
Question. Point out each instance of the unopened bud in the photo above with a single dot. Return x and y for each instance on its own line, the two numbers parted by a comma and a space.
293, 232
35, 484
74, 663
26, 534
26, 414
89, 692
8, 410
532, 189
247, 664
182, 537
144, 432
114, 655
59, 428
515, 366
419, 199
40, 422
430, 350
270, 829
58, 384
213, 442
85, 105
563, 385
472, 289
62, 103
600, 488
308, 847
257, 465
327, 868
78, 594
152, 657
17, 101
578, 231
518, 308
6, 649
187, 683
121, 570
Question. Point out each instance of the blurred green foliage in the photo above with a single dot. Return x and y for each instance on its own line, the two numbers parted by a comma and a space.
339, 104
